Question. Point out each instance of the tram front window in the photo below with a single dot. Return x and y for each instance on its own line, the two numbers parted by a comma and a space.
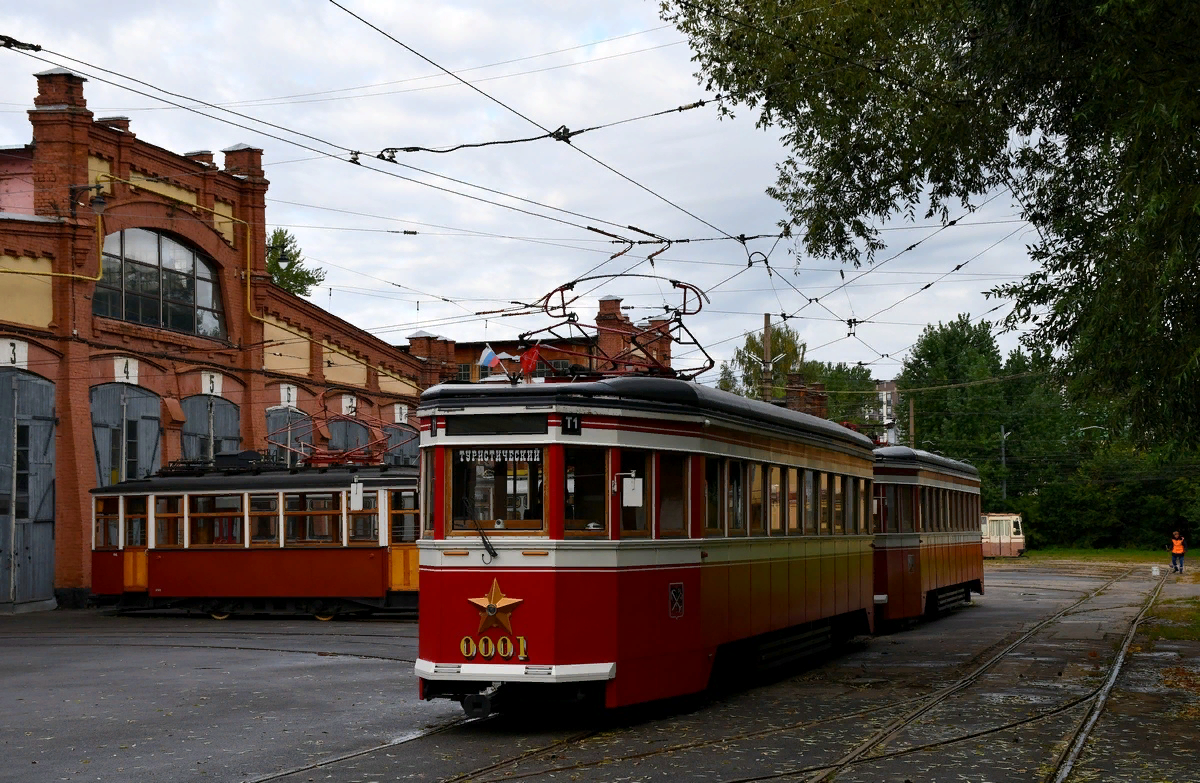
497, 488
585, 491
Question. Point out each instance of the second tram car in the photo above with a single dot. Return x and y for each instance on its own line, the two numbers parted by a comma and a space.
253, 537
617, 535
927, 545
1002, 535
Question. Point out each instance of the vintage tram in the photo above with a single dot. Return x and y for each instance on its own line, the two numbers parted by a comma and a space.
243, 535
927, 545
617, 536
1002, 535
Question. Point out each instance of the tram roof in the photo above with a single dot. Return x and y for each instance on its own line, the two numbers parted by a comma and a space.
641, 393
906, 455
264, 480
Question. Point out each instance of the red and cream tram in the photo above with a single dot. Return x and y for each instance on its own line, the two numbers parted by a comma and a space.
616, 535
254, 537
928, 554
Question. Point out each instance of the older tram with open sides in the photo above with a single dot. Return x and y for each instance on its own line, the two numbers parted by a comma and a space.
245, 535
616, 536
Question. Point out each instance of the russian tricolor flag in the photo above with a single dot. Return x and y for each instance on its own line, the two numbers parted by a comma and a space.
488, 358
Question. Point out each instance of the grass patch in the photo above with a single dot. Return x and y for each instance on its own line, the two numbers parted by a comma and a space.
1174, 620
1151, 556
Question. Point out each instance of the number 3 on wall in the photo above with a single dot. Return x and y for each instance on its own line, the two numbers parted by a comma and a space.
17, 354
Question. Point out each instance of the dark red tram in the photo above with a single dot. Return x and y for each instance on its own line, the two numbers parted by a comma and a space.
260, 538
928, 551
615, 536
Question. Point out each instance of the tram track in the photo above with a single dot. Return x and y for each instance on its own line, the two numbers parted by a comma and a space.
176, 646
890, 731
828, 771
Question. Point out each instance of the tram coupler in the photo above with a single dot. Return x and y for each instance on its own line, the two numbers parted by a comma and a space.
477, 705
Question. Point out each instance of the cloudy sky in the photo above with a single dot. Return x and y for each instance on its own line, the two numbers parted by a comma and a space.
313, 69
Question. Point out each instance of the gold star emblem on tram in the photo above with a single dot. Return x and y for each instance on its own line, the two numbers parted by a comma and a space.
495, 608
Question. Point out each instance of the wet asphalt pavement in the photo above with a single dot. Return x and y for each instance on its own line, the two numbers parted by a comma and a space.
86, 695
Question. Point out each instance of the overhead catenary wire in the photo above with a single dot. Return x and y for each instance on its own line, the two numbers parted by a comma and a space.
531, 121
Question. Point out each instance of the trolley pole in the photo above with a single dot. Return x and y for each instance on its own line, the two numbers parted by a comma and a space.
1003, 465
766, 359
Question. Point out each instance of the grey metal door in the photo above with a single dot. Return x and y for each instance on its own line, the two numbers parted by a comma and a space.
289, 432
126, 432
346, 435
212, 425
403, 446
26, 490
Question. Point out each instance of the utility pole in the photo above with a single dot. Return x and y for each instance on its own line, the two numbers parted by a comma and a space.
766, 379
912, 424
1003, 465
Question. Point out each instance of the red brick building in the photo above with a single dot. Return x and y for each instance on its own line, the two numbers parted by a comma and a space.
138, 325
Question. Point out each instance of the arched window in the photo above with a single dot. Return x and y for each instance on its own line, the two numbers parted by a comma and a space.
150, 278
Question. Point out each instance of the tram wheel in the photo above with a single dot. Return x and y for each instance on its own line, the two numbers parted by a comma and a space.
324, 616
220, 615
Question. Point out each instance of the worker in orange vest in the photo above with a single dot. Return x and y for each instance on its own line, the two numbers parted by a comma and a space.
1177, 547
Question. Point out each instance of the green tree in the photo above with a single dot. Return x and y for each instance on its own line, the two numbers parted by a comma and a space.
286, 266
1085, 111
743, 374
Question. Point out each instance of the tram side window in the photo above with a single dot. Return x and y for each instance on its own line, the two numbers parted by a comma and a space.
905, 497
808, 503
864, 501
755, 476
364, 525
849, 485
427, 491
215, 520
672, 490
839, 505
168, 522
735, 506
313, 518
586, 490
712, 497
634, 519
264, 520
775, 507
793, 501
497, 488
108, 523
824, 504
403, 510
135, 521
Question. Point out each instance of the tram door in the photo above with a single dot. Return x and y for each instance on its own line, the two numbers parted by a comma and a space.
26, 491
404, 530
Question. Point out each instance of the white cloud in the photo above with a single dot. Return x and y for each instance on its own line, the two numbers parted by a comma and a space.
718, 170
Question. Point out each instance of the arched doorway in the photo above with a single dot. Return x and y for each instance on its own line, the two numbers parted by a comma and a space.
289, 434
212, 425
125, 429
26, 491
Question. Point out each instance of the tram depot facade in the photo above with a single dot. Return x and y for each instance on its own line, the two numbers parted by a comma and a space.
175, 346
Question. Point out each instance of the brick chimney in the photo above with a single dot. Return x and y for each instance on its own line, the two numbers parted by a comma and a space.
62, 126
615, 328
116, 123
244, 160
59, 87
201, 156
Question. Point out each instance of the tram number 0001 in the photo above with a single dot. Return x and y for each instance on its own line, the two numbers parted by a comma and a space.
487, 648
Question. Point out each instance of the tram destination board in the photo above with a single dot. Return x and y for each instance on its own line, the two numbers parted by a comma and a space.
498, 424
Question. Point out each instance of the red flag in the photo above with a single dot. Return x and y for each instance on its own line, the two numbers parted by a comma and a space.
529, 360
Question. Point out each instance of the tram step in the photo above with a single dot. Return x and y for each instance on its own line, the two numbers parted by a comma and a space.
791, 647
